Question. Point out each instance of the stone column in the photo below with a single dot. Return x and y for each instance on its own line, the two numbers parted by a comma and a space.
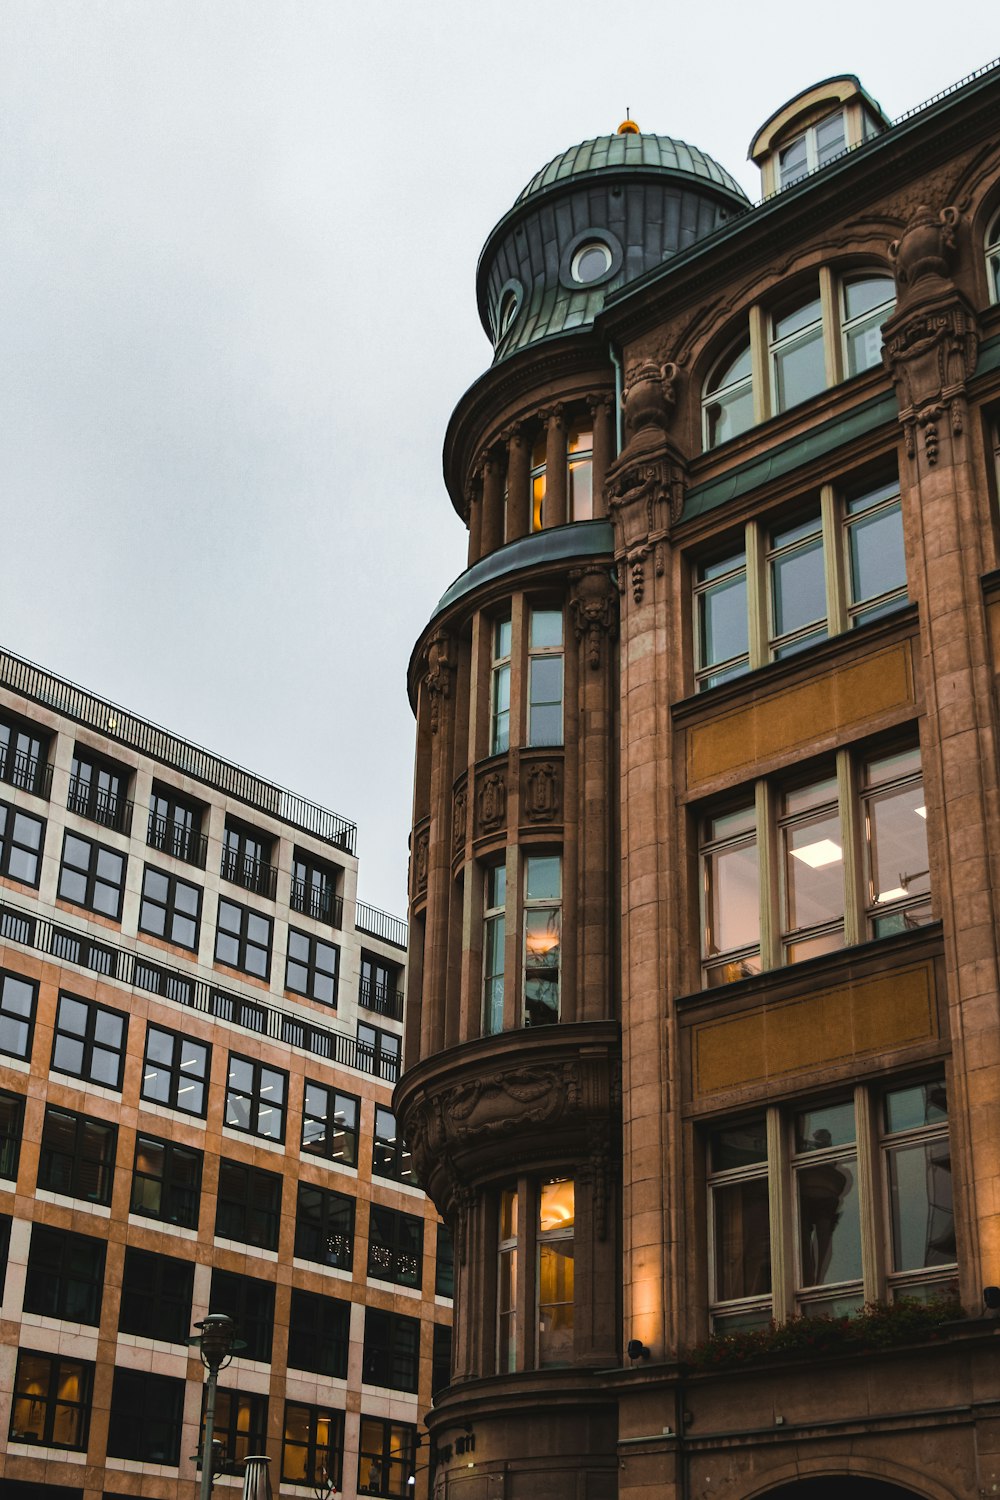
518, 484
491, 530
930, 345
555, 468
474, 503
603, 426
434, 859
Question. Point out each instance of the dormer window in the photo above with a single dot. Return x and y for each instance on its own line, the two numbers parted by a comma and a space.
813, 148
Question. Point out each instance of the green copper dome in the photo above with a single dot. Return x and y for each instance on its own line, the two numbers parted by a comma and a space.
656, 153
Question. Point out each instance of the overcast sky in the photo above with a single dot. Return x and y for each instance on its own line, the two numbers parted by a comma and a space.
238, 242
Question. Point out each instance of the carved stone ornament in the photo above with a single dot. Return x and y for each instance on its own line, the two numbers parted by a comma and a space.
459, 819
420, 852
492, 802
541, 798
594, 607
648, 397
437, 678
503, 1102
645, 486
931, 342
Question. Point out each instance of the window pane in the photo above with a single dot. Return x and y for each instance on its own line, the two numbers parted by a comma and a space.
923, 1224
897, 832
799, 370
878, 563
829, 1222
742, 1145
798, 587
546, 628
723, 619
832, 1125
742, 1240
543, 882
733, 898
814, 872
923, 1104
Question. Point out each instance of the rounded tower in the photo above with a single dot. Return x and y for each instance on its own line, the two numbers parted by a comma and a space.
511, 1094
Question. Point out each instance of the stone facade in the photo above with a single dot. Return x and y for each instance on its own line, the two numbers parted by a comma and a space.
702, 1036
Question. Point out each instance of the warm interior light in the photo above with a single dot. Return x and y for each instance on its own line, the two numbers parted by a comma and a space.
542, 942
817, 856
557, 1206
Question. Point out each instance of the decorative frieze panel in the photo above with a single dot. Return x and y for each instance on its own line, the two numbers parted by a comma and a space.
491, 802
540, 797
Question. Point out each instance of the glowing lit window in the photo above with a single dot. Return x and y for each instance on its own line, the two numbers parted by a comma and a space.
580, 465
542, 936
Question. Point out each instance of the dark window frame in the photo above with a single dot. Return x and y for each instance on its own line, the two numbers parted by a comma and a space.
331, 1129
246, 858
249, 1301
374, 1056
92, 1045
25, 765
390, 1156
314, 973
392, 1255
238, 1214
12, 1019
11, 1133
92, 876
237, 1440
377, 1478
444, 1263
179, 1077
172, 916
240, 936
392, 1350
149, 1429
314, 889
52, 1400
178, 1193
181, 839
378, 984
326, 1461
160, 1309
253, 1098
48, 1177
109, 807
319, 1334
441, 1358
9, 844
336, 1237
59, 1283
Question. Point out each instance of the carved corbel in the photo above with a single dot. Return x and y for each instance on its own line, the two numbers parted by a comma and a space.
437, 678
594, 612
931, 342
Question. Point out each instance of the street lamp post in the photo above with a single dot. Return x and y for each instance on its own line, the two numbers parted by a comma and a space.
216, 1342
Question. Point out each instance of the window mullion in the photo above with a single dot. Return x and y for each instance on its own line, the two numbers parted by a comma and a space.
526, 1315
759, 364
833, 562
780, 1211
850, 825
833, 362
770, 921
872, 1217
757, 595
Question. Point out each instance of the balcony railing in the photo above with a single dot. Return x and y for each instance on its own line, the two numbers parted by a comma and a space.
182, 843
28, 772
380, 924
69, 946
105, 808
321, 905
128, 729
381, 998
251, 874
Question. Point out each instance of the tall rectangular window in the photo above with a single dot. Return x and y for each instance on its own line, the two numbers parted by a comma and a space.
11, 1129
175, 1070
243, 939
23, 756
554, 1239
255, 1098
494, 941
378, 1052
324, 1227
248, 1207
21, 841
51, 1403
798, 368
65, 1276
876, 564
330, 1124
156, 1296
312, 967
97, 790
249, 1301
395, 1246
240, 1424
812, 869
92, 876
387, 1458
77, 1156
580, 464
545, 677
721, 620
89, 1042
170, 909
175, 826
17, 1014
246, 855
730, 896
391, 1354
379, 986
312, 1449
500, 688
507, 1282
797, 585
166, 1181
314, 889
390, 1156
542, 934
895, 839
146, 1412
740, 1224
444, 1263
538, 482
319, 1334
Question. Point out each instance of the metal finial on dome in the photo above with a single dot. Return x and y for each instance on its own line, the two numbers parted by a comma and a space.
628, 125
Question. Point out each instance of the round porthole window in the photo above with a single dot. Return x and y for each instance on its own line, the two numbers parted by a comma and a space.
590, 262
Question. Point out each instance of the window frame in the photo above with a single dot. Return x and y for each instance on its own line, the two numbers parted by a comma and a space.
10, 845
178, 1192
14, 1019
541, 656
322, 1460
160, 1311
391, 1157
815, 156
53, 1399
106, 805
77, 1159
24, 755
395, 1246
332, 1129
319, 1333
991, 253
148, 1397
391, 1348
501, 643
314, 889
379, 1053
253, 1098
180, 1077
241, 937
338, 1237
11, 1133
93, 879
246, 858
314, 972
178, 836
238, 1214
173, 917
396, 1449
237, 1438
91, 1044
53, 1290
249, 1301
540, 971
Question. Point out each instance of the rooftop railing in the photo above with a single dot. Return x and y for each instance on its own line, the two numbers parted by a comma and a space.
128, 729
379, 924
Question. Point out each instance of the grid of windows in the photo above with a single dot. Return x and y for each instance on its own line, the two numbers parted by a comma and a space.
21, 840
92, 876
248, 1207
255, 1098
77, 1156
175, 1070
859, 1185
780, 878
166, 1181
387, 1458
65, 1277
89, 1041
249, 1301
318, 1334
312, 1450
170, 908
243, 939
311, 968
17, 1014
156, 1296
146, 1412
324, 1227
51, 1403
391, 1350
390, 1154
330, 1124
395, 1246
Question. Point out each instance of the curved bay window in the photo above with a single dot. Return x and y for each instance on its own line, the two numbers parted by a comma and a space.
538, 482
536, 1219
556, 1220
727, 406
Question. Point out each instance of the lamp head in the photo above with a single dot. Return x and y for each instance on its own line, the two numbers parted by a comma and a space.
217, 1340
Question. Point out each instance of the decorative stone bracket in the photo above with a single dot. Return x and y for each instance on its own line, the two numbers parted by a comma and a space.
595, 609
440, 669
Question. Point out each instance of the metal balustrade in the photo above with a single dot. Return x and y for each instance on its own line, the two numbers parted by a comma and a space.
381, 998
321, 905
105, 808
380, 924
30, 773
71, 946
173, 838
252, 874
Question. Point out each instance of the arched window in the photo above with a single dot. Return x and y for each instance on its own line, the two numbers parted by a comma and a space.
993, 257
728, 400
867, 300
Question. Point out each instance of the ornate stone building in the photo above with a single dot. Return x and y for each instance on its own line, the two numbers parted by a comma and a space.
702, 1049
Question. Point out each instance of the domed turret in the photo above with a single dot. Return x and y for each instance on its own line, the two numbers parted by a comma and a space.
594, 218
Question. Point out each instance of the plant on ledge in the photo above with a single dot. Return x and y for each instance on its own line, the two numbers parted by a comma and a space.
878, 1325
